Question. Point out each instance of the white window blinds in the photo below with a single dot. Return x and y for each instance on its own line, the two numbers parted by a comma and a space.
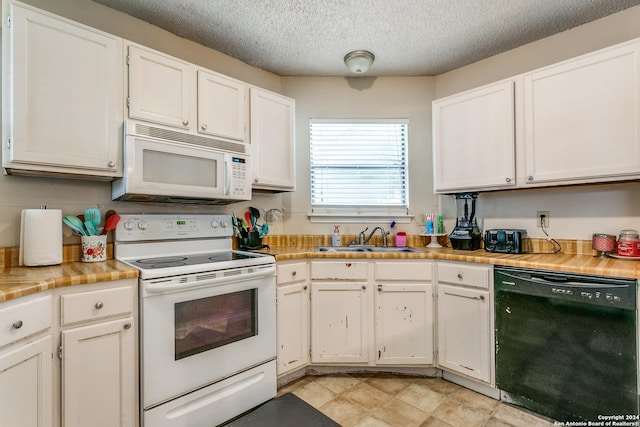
359, 163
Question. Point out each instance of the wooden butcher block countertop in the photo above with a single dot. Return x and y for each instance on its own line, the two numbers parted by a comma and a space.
575, 257
16, 281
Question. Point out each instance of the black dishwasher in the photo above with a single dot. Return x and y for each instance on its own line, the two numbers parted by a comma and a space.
566, 344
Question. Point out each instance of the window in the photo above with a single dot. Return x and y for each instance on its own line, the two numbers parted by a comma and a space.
359, 167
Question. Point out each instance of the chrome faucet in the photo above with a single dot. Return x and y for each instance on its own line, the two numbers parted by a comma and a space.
384, 236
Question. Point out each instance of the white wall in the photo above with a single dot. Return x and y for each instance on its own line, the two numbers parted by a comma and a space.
575, 212
362, 97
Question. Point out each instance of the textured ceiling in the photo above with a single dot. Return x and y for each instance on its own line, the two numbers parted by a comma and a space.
408, 37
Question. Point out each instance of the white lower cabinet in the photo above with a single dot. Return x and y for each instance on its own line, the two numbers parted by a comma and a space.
465, 320
404, 313
339, 322
99, 375
26, 362
25, 384
292, 316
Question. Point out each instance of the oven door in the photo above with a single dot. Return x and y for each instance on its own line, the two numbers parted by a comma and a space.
200, 332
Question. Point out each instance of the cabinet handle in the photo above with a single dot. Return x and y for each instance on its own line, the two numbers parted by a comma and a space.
204, 127
530, 178
17, 324
111, 164
127, 325
99, 305
508, 180
185, 122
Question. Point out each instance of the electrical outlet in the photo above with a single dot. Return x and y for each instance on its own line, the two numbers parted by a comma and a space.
545, 215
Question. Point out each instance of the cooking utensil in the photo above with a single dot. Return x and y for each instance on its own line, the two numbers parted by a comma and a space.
74, 223
247, 216
110, 222
91, 229
264, 230
255, 213
93, 215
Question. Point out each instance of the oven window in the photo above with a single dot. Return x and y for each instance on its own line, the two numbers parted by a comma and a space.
215, 321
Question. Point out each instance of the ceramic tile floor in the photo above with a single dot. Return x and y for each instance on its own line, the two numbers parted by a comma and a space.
383, 400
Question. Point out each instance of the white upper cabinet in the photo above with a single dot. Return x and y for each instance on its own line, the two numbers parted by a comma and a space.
272, 141
474, 140
582, 118
162, 89
222, 105
574, 122
62, 96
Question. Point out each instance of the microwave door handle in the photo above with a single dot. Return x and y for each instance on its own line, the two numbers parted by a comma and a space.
227, 176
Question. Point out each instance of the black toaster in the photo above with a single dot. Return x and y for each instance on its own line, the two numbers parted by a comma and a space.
505, 241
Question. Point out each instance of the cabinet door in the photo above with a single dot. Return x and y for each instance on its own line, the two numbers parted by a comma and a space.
339, 323
293, 326
99, 382
222, 105
25, 385
582, 120
474, 139
404, 324
272, 141
161, 88
464, 336
64, 96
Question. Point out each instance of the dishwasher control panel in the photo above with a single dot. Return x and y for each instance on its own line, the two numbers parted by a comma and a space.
589, 289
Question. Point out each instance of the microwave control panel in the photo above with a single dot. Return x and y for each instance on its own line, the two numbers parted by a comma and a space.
240, 177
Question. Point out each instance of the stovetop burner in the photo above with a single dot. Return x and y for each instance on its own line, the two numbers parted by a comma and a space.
179, 261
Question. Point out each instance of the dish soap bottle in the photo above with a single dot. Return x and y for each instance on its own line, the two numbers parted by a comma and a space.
336, 239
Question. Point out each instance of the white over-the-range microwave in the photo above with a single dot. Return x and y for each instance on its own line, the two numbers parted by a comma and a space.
166, 166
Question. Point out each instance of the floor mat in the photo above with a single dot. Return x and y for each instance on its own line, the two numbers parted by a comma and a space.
285, 411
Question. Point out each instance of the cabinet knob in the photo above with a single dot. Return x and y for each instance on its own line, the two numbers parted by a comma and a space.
305, 287
530, 178
127, 325
293, 273
508, 180
379, 288
256, 180
17, 324
185, 122
364, 287
460, 276
99, 305
111, 164
203, 127
481, 297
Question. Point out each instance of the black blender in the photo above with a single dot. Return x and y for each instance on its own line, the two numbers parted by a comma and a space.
466, 235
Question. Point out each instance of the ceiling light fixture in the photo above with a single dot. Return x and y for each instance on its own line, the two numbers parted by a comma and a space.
359, 61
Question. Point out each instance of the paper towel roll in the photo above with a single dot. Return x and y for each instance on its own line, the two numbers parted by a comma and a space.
41, 237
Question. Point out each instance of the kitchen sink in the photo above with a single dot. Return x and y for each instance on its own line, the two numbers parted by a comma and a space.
366, 249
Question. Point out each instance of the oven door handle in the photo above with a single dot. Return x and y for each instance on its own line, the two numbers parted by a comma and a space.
170, 285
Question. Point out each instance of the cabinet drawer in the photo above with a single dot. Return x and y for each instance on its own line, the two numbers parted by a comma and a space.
21, 319
289, 273
464, 274
339, 270
421, 271
99, 304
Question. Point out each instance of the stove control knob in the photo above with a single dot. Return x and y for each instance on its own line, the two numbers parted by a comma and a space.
128, 225
223, 223
142, 225
214, 223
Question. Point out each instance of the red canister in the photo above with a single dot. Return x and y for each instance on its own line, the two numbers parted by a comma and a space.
629, 243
